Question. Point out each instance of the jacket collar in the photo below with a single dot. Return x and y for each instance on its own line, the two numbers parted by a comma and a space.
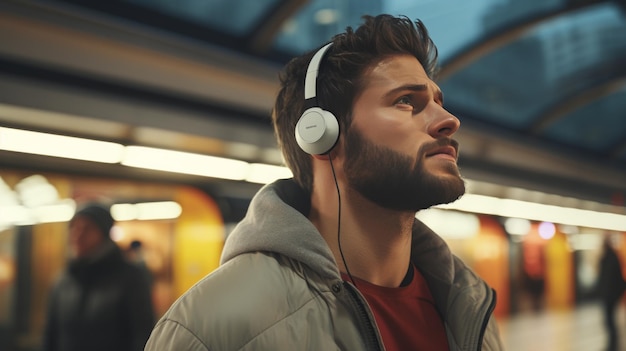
277, 222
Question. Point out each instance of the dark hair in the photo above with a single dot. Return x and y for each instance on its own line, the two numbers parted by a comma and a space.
100, 215
340, 78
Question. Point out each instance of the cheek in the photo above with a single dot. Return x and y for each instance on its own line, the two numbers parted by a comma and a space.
404, 137
380, 126
91, 239
74, 236
390, 126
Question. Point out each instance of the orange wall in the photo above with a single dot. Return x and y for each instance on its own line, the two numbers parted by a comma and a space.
560, 285
491, 252
198, 241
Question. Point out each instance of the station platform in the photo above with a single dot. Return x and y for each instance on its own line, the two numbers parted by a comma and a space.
578, 329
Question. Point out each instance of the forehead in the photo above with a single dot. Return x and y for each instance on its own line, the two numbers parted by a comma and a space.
397, 70
82, 221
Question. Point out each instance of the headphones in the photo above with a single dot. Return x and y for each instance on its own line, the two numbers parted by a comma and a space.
317, 130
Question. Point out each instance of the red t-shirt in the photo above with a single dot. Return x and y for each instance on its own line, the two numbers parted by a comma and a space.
406, 316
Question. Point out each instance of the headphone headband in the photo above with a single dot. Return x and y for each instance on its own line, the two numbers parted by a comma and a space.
310, 81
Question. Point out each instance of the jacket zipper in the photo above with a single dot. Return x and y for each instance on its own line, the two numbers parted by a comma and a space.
372, 336
483, 328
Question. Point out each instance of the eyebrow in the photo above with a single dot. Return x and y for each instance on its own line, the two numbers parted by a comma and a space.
415, 87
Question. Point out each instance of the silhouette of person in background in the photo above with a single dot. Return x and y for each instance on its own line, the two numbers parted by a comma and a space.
135, 255
610, 288
101, 302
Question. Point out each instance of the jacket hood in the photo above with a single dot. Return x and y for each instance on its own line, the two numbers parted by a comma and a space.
277, 222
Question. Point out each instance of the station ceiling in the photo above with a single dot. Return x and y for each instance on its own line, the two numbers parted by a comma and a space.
539, 85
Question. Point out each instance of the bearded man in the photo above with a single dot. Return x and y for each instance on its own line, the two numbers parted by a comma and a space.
334, 259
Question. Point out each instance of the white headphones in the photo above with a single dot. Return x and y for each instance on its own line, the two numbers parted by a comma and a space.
317, 130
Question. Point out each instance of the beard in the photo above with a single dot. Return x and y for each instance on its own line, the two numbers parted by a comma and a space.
395, 181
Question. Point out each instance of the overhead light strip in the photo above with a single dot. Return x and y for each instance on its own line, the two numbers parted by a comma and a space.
64, 210
16, 140
538, 212
45, 144
184, 162
146, 211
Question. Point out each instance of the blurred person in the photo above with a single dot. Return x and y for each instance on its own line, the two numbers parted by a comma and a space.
101, 302
610, 288
334, 259
135, 255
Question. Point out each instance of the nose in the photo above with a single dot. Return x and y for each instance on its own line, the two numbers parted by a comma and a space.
444, 124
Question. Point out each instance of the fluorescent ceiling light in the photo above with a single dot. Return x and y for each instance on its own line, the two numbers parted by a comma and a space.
184, 162
15, 215
146, 211
60, 212
517, 226
586, 242
20, 215
59, 146
158, 210
124, 212
450, 224
538, 212
263, 174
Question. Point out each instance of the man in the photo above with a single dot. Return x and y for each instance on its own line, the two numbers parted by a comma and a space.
335, 259
102, 302
610, 288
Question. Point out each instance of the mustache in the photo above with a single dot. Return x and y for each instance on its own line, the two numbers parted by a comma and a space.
432, 146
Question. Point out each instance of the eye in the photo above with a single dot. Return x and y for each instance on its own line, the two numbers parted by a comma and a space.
414, 103
405, 100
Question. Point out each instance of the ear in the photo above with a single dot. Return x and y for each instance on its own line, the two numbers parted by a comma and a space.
333, 153
324, 157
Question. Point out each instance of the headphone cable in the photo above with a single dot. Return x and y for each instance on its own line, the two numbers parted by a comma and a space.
339, 220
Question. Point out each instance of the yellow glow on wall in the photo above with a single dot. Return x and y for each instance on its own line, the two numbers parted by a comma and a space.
199, 239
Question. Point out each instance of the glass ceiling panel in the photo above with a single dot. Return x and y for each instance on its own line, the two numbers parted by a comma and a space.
588, 125
559, 59
453, 24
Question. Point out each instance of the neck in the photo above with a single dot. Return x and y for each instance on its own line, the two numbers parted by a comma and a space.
375, 242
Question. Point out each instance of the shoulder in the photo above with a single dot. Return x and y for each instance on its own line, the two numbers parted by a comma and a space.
246, 280
242, 298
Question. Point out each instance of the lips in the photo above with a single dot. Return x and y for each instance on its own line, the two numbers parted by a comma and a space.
444, 150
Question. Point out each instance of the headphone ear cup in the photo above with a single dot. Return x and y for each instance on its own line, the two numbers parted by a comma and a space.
317, 131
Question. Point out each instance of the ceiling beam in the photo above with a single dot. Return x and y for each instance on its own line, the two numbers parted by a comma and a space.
576, 101
263, 36
64, 41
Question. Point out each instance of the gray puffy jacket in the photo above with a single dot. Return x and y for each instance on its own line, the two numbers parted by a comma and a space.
279, 288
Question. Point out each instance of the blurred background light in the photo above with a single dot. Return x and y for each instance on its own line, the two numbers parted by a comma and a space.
185, 162
146, 211
517, 226
585, 241
547, 230
450, 224
264, 174
46, 144
124, 212
20, 215
537, 212
158, 210
36, 191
